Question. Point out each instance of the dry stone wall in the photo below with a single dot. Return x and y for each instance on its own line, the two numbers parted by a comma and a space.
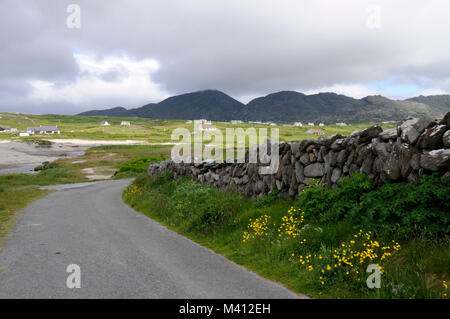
418, 145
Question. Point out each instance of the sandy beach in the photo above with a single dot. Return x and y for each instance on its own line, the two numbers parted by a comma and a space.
22, 157
91, 143
18, 157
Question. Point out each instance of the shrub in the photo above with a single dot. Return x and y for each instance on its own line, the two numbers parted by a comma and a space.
420, 209
401, 209
268, 199
139, 165
332, 204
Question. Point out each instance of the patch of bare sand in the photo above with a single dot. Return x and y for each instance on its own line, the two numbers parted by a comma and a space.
21, 157
98, 173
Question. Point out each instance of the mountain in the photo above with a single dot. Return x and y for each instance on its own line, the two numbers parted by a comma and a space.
116, 111
208, 104
293, 106
286, 107
439, 103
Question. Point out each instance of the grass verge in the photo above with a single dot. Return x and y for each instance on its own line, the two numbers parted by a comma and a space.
278, 240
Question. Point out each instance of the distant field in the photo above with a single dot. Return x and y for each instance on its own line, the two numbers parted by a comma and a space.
149, 130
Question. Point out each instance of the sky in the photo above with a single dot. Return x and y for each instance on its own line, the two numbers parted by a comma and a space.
58, 58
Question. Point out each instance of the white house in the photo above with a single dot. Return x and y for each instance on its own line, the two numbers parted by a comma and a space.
341, 124
204, 121
315, 132
310, 124
125, 123
5, 129
321, 124
43, 130
235, 121
24, 134
104, 123
298, 124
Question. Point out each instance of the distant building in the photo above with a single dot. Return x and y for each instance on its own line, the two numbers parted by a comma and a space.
208, 127
189, 122
24, 134
315, 132
4, 129
43, 130
273, 124
235, 121
204, 121
341, 124
125, 123
321, 124
104, 123
310, 124
298, 124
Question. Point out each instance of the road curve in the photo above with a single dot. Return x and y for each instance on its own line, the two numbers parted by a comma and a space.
121, 253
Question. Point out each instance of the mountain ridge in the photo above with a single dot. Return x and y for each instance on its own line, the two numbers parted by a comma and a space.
284, 107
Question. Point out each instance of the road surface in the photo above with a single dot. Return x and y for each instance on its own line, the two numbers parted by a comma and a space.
121, 253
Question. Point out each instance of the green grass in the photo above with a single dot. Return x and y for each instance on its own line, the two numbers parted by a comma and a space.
217, 220
149, 130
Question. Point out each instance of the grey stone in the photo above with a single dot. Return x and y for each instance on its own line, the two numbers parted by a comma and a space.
369, 133
304, 144
338, 144
299, 172
411, 128
278, 184
406, 153
336, 175
286, 173
389, 134
433, 137
436, 160
259, 187
304, 159
341, 156
380, 148
446, 120
415, 162
366, 166
295, 147
391, 167
446, 138
314, 170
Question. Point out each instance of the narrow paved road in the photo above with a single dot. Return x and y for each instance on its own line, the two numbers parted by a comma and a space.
121, 253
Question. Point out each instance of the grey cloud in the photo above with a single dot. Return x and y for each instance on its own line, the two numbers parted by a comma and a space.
240, 47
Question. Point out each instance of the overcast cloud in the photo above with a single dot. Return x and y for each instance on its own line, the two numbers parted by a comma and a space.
135, 52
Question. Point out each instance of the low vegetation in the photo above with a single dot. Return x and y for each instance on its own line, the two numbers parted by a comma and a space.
321, 244
143, 129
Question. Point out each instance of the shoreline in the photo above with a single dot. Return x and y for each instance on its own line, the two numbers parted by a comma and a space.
22, 156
